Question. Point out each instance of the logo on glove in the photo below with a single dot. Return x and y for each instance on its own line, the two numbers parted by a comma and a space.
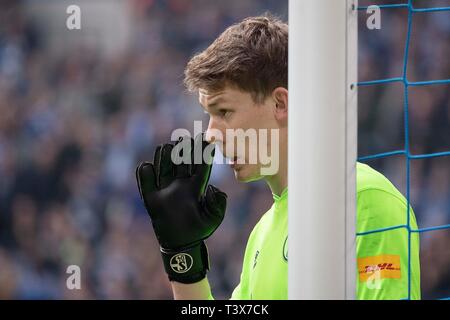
181, 262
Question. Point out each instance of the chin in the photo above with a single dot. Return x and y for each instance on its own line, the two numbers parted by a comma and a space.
246, 173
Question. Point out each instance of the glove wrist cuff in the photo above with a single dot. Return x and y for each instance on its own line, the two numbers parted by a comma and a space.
186, 265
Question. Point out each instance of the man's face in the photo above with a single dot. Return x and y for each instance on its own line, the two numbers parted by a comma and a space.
231, 109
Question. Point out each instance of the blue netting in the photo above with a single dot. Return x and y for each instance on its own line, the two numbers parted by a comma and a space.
406, 150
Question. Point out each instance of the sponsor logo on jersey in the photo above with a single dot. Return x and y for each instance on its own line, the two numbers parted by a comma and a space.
255, 259
386, 266
285, 249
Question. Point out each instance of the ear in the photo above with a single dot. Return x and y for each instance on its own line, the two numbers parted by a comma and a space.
280, 97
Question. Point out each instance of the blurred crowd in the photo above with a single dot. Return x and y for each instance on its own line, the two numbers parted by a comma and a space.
73, 127
72, 130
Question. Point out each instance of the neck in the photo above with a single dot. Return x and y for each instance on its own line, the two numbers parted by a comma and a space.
278, 182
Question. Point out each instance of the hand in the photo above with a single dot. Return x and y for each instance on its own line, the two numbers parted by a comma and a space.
184, 209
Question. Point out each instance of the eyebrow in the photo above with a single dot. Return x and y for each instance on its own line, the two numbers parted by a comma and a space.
216, 102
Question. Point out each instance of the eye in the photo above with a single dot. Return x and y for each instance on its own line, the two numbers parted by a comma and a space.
224, 113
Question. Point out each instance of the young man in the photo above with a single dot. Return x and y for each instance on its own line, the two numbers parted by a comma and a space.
241, 80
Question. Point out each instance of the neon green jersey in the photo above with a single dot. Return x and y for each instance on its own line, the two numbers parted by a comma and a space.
382, 257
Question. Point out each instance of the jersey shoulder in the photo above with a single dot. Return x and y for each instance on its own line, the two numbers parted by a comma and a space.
379, 203
368, 178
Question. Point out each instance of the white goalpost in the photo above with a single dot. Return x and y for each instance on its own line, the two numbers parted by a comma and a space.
322, 148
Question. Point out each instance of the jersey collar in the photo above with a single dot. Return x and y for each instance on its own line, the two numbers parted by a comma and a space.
283, 195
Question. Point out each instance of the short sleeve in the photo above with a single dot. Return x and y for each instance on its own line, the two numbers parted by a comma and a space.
382, 257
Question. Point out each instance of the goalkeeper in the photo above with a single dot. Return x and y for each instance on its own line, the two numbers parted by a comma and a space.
241, 80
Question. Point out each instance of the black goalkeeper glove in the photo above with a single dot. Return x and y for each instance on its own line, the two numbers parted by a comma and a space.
184, 209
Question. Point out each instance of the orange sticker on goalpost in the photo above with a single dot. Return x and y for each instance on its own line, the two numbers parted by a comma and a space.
387, 265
